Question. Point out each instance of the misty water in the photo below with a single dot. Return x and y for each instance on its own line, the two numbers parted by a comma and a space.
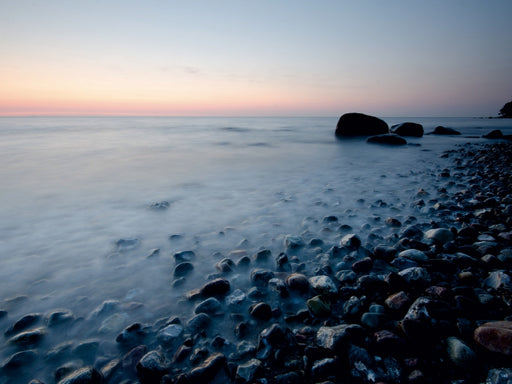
72, 188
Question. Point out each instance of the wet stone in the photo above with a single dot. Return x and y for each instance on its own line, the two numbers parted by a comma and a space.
151, 367
216, 287
132, 335
58, 317
170, 334
294, 242
298, 282
198, 323
208, 369
261, 311
249, 370
323, 285
318, 306
131, 358
338, 337
439, 235
125, 245
263, 256
23, 323
460, 354
363, 266
210, 306
29, 338
183, 269
19, 359
236, 298
495, 336
183, 256
350, 240
260, 277
225, 265
87, 375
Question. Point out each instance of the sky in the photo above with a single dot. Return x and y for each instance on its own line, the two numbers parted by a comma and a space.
255, 58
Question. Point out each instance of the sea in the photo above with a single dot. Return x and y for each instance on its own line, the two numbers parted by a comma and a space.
92, 209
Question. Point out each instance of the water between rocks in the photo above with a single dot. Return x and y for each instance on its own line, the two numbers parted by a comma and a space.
93, 209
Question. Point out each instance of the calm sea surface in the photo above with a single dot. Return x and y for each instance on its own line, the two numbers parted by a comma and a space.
71, 188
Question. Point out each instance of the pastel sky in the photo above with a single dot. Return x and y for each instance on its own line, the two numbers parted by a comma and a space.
267, 57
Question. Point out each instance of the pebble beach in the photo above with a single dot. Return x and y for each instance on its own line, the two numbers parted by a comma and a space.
403, 298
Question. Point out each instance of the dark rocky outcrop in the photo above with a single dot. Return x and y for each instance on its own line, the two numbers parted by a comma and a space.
440, 130
496, 134
408, 129
388, 138
359, 124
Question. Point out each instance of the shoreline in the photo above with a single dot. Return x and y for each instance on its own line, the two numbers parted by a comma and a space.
405, 309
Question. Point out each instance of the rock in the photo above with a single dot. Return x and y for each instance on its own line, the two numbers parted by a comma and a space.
86, 350
415, 275
350, 240
106, 308
261, 277
210, 306
323, 285
440, 130
298, 282
324, 368
29, 338
19, 359
338, 337
87, 375
388, 343
246, 348
439, 235
408, 129
58, 317
388, 138
132, 335
216, 287
171, 334
359, 124
399, 301
460, 354
495, 134
414, 254
495, 336
249, 370
417, 322
497, 280
130, 359
319, 306
183, 269
294, 242
226, 265
363, 266
159, 206
23, 323
125, 245
236, 298
182, 256
151, 367
114, 323
208, 369
261, 311
288, 378
263, 256
199, 323
499, 376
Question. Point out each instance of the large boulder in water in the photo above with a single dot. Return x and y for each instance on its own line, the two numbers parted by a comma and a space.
408, 129
389, 138
440, 130
496, 134
359, 124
